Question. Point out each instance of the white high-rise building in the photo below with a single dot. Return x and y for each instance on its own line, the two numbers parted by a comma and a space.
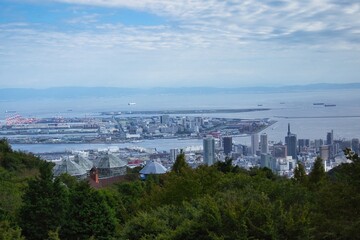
174, 152
209, 150
264, 143
254, 143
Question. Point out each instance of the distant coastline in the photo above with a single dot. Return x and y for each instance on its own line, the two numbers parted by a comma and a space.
84, 92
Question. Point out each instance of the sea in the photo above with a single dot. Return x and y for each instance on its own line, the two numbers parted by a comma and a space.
307, 120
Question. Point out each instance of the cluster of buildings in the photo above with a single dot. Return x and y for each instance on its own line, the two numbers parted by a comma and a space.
280, 157
103, 168
117, 129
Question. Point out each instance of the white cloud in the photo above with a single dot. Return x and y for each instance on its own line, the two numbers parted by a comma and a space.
202, 40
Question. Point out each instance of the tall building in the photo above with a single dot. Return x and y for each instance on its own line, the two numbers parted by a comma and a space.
264, 143
174, 152
291, 143
227, 143
325, 152
254, 143
279, 151
355, 145
330, 138
209, 150
318, 143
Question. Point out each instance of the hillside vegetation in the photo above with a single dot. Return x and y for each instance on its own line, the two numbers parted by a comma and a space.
217, 202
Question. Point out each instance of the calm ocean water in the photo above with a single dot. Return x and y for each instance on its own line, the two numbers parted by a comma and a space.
307, 120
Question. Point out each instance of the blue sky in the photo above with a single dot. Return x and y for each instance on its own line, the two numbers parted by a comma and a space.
165, 43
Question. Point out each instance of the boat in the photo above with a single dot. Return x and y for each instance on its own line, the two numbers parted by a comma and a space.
131, 103
330, 105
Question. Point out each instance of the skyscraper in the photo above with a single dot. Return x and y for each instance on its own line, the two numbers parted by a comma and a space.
330, 138
254, 143
209, 150
291, 143
227, 143
264, 143
174, 152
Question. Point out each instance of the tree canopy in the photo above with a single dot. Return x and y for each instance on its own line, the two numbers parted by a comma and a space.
209, 202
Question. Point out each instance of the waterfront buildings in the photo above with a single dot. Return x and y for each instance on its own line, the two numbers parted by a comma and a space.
209, 150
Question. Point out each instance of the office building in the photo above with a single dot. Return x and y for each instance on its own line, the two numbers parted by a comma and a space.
279, 151
227, 144
330, 138
173, 154
254, 143
291, 143
209, 150
303, 144
264, 143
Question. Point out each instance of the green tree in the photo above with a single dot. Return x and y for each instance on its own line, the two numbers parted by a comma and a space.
7, 232
336, 213
180, 165
44, 205
88, 215
317, 174
300, 174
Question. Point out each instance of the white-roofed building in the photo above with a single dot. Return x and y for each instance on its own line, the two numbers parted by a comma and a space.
152, 167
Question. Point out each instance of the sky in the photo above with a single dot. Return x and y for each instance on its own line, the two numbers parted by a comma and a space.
178, 43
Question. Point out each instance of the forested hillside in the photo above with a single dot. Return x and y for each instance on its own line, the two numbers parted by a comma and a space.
218, 202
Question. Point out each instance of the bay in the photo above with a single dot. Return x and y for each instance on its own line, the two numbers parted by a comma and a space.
306, 120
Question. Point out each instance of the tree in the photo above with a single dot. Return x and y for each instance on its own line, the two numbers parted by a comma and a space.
180, 164
45, 203
317, 174
7, 232
88, 215
300, 174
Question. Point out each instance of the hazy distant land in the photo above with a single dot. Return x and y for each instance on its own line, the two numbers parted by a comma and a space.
83, 92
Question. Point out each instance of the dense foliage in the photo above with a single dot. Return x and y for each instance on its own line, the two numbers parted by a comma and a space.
217, 202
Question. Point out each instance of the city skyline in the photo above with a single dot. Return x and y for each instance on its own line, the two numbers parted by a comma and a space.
157, 43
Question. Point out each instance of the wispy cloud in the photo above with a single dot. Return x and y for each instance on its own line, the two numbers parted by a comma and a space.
200, 39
